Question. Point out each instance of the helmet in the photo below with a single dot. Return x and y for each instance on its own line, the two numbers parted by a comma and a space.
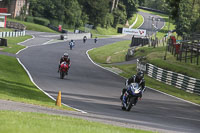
140, 75
66, 55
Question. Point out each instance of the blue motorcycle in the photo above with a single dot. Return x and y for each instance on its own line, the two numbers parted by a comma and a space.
130, 96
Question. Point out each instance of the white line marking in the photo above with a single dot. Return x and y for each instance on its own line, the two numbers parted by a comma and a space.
33, 37
146, 86
47, 42
43, 90
142, 22
21, 50
130, 27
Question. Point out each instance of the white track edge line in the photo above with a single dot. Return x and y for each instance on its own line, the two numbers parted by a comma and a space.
47, 42
146, 86
130, 27
142, 22
33, 37
21, 50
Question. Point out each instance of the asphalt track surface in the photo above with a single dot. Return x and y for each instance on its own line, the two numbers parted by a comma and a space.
96, 91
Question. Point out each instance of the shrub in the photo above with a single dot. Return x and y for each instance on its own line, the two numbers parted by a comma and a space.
41, 21
29, 19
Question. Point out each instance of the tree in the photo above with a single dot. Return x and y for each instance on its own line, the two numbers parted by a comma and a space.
130, 7
186, 15
97, 11
174, 4
113, 5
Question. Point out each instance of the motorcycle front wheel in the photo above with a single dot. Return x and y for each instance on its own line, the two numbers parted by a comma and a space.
130, 102
62, 74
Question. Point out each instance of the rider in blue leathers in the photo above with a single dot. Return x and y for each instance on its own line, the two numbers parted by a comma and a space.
71, 44
138, 78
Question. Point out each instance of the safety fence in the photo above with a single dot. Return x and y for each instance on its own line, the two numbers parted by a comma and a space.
12, 34
178, 80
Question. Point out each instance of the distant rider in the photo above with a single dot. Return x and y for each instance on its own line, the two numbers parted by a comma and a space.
84, 39
138, 78
65, 58
95, 40
71, 44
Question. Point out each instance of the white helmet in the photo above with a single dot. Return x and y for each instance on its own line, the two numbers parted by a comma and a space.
66, 54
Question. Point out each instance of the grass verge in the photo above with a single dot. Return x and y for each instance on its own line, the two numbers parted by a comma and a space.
5, 29
18, 122
139, 22
129, 70
33, 27
110, 53
16, 86
132, 20
156, 56
12, 44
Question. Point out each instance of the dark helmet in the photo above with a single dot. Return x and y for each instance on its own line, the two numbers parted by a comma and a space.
140, 75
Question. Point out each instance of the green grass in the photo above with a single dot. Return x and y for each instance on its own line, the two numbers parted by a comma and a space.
105, 31
117, 51
12, 44
154, 56
23, 122
33, 27
15, 84
132, 20
139, 22
5, 29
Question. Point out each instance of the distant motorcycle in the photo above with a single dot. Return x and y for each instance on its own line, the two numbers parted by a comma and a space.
71, 44
130, 96
64, 67
84, 39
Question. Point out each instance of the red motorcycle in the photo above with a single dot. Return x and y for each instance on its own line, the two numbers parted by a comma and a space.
64, 67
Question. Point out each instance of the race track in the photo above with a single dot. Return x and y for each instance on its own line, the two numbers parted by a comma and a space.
95, 90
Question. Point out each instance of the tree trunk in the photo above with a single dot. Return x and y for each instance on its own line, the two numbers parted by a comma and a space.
117, 4
113, 5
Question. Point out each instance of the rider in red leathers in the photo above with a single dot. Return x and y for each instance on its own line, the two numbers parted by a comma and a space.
65, 58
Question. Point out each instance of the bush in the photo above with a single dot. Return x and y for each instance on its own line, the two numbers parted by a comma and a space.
57, 22
41, 21
37, 20
29, 19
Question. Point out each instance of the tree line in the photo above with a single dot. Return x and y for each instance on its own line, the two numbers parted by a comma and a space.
76, 13
105, 13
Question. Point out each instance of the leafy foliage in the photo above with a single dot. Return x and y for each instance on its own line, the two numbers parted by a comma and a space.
186, 14
77, 13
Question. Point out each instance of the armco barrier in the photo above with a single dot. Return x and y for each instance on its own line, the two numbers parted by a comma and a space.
12, 34
178, 80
